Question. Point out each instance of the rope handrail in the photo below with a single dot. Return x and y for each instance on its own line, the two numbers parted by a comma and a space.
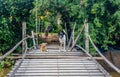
77, 38
11, 50
19, 64
112, 65
72, 34
101, 68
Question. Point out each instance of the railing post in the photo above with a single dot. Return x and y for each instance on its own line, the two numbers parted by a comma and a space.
86, 35
33, 40
73, 34
23, 35
36, 22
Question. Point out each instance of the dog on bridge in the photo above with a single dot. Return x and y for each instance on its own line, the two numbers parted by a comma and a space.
43, 47
62, 40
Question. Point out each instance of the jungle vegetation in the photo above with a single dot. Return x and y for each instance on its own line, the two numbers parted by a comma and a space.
103, 17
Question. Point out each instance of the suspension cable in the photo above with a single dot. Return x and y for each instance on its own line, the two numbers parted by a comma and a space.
101, 68
19, 64
36, 22
10, 51
112, 65
77, 38
72, 34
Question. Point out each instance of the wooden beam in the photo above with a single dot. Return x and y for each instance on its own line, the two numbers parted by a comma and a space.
86, 35
52, 57
23, 35
34, 44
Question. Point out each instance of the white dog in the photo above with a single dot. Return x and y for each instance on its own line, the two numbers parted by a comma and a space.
62, 40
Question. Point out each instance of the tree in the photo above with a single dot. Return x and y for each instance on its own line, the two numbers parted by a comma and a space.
12, 14
103, 17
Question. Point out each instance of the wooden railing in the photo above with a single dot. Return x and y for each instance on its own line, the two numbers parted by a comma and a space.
91, 57
19, 64
87, 46
11, 50
106, 60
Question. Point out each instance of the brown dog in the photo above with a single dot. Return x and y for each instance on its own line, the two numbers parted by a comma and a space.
43, 47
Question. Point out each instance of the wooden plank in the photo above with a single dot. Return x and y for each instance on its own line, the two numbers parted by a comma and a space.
52, 66
78, 67
58, 60
61, 71
84, 60
82, 76
52, 57
61, 68
57, 65
54, 50
64, 63
47, 63
61, 59
59, 74
54, 53
67, 61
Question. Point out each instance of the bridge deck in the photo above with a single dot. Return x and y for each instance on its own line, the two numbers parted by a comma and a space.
59, 67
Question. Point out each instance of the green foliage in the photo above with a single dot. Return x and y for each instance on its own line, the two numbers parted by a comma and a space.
105, 25
103, 17
12, 13
6, 63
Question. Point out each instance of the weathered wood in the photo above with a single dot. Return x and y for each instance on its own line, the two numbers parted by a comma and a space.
86, 35
80, 64
61, 71
81, 76
83, 60
56, 67
23, 35
11, 50
112, 65
71, 37
36, 22
77, 38
61, 76
16, 57
38, 53
33, 39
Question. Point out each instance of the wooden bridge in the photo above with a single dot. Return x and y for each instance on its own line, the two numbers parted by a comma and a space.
55, 63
